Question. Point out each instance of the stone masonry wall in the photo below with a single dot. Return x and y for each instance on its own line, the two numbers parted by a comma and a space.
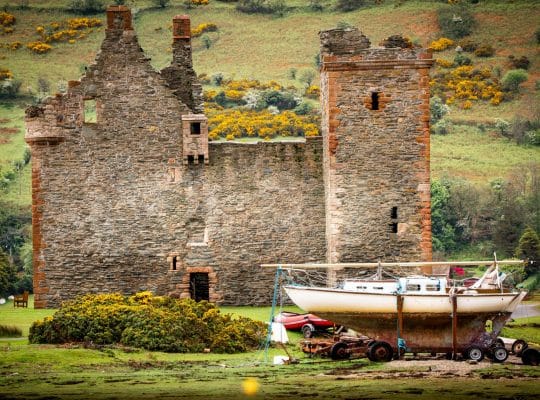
376, 150
114, 202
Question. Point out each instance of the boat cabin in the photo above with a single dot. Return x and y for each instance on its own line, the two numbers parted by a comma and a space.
411, 285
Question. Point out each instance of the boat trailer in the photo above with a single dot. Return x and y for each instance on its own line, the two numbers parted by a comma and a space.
345, 346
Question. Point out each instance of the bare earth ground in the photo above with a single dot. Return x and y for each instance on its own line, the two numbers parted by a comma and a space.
429, 368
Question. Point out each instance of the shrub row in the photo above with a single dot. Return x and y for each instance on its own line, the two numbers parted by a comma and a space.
149, 322
232, 124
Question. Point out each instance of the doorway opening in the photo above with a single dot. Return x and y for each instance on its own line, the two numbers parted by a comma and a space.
199, 286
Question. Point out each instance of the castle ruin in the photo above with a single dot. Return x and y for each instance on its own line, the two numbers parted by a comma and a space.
135, 197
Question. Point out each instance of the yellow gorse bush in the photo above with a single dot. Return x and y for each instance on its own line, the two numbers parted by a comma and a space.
202, 28
83, 23
39, 47
150, 322
467, 84
313, 92
232, 124
6, 18
66, 31
200, 2
441, 44
5, 74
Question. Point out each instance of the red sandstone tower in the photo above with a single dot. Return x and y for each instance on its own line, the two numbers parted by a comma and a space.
375, 120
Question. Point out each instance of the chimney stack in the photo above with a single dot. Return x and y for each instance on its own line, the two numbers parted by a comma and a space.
181, 28
119, 18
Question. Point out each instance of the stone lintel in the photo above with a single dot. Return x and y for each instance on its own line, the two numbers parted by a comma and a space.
44, 140
367, 65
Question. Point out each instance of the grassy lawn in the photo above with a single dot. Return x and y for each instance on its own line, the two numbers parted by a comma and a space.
76, 372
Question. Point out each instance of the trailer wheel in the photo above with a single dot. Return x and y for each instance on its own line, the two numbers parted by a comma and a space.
530, 356
500, 354
308, 330
518, 346
474, 353
380, 351
339, 351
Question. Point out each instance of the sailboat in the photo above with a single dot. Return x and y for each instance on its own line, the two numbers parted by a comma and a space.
417, 313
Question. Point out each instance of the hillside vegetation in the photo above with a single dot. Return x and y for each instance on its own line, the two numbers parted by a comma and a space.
485, 130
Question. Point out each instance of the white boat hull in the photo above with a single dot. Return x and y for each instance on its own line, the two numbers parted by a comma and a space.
427, 322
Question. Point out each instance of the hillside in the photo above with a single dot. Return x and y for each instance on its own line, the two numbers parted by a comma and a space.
281, 48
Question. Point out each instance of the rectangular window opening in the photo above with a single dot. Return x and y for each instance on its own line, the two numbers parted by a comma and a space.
201, 158
195, 128
174, 263
393, 213
374, 100
394, 227
191, 159
90, 111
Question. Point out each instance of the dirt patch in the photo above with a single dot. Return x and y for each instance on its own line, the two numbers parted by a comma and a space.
432, 368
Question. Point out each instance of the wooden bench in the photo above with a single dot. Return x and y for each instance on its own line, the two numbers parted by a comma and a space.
21, 300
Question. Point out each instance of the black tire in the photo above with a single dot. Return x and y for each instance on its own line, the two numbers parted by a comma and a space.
518, 346
499, 354
499, 342
339, 351
307, 331
530, 356
474, 353
380, 351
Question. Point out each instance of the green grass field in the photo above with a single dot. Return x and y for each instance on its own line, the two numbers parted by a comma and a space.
75, 371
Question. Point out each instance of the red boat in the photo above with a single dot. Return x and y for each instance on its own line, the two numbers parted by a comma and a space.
307, 323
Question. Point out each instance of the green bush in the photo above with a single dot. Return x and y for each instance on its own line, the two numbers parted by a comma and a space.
349, 5
519, 63
149, 322
10, 331
512, 79
86, 6
437, 109
161, 3
281, 99
468, 45
9, 88
460, 60
455, 21
277, 7
484, 51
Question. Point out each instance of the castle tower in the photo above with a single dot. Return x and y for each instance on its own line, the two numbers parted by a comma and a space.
375, 122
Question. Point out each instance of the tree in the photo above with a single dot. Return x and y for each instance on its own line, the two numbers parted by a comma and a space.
529, 249
7, 276
455, 21
307, 76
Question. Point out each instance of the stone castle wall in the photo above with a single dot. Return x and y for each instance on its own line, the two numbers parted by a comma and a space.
119, 207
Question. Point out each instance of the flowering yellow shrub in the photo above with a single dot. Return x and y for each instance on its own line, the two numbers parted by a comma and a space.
39, 47
202, 28
441, 44
234, 95
200, 2
313, 91
444, 63
6, 18
468, 84
232, 124
82, 23
8, 30
73, 28
13, 45
5, 74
